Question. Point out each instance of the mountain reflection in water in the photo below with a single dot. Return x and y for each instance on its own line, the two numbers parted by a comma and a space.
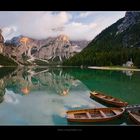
39, 95
23, 81
27, 79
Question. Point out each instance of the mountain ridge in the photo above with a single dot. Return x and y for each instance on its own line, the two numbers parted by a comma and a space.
60, 47
115, 45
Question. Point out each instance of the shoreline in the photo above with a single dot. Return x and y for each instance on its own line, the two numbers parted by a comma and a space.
109, 68
7, 66
89, 67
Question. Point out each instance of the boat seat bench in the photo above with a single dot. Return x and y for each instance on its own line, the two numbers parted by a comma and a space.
102, 113
116, 112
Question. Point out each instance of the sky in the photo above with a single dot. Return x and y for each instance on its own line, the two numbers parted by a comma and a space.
78, 25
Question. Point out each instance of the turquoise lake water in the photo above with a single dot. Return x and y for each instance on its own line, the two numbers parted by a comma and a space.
41, 96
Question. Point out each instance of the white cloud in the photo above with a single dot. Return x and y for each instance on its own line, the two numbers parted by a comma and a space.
85, 14
11, 97
42, 24
78, 31
9, 32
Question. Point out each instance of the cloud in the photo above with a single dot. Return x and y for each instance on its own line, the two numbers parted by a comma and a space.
9, 32
85, 14
33, 24
80, 31
42, 24
11, 97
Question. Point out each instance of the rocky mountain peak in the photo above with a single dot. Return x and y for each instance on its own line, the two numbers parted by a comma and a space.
25, 40
50, 49
1, 41
131, 18
63, 38
1, 37
132, 15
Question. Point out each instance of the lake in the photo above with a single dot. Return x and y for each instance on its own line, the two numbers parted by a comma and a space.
42, 95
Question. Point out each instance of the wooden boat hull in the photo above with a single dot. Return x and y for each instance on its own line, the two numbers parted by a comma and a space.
94, 115
108, 99
132, 107
134, 117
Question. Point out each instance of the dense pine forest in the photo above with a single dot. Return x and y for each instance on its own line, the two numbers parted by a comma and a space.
111, 48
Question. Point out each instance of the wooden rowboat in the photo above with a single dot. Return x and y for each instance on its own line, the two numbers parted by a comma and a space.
134, 114
108, 99
94, 115
132, 107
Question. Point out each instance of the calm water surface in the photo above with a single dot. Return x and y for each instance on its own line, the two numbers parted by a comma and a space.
41, 96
